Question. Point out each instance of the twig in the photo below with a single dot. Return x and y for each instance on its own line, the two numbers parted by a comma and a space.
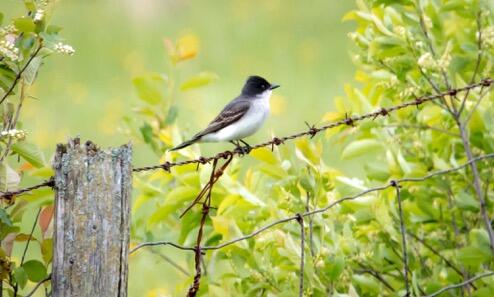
403, 231
171, 262
435, 252
16, 287
19, 74
376, 275
469, 281
300, 220
13, 122
311, 228
477, 103
431, 46
321, 210
476, 181
479, 59
38, 285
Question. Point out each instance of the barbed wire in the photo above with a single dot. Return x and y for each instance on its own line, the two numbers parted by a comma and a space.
276, 141
396, 183
313, 131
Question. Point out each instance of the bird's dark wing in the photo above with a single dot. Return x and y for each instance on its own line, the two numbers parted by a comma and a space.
229, 115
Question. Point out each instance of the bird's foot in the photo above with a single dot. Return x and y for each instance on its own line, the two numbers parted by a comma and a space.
242, 150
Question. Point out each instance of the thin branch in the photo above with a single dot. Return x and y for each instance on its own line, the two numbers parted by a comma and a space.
13, 123
469, 281
311, 228
477, 103
435, 252
403, 231
16, 287
428, 40
376, 275
38, 285
19, 74
476, 181
479, 59
300, 220
171, 262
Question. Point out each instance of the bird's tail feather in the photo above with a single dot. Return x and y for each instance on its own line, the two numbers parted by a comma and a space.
185, 144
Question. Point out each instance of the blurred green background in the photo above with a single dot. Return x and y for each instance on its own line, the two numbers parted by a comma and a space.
301, 45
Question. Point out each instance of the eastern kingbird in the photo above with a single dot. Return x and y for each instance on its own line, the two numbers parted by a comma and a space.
240, 118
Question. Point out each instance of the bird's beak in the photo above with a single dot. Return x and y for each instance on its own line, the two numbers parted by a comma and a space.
274, 86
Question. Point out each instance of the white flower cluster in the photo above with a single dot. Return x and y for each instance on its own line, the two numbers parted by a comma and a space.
9, 29
64, 49
18, 134
39, 15
445, 59
426, 61
488, 36
8, 49
407, 92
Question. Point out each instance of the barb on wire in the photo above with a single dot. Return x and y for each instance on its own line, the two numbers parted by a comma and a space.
276, 141
324, 209
462, 284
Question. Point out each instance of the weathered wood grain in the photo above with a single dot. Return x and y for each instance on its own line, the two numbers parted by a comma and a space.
92, 198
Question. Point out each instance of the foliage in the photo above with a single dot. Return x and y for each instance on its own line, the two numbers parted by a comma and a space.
403, 49
25, 43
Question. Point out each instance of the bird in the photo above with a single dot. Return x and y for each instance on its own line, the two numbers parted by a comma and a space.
240, 118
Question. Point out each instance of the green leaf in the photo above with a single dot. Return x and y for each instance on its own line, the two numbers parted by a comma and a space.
35, 270
32, 70
8, 177
147, 133
4, 218
24, 24
467, 202
198, 80
150, 88
473, 256
20, 277
29, 152
360, 147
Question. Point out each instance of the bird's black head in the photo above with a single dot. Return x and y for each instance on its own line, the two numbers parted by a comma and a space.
256, 85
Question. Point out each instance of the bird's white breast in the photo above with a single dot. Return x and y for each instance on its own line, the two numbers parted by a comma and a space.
247, 125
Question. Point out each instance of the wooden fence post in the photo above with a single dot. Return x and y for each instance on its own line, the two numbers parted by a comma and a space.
91, 236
